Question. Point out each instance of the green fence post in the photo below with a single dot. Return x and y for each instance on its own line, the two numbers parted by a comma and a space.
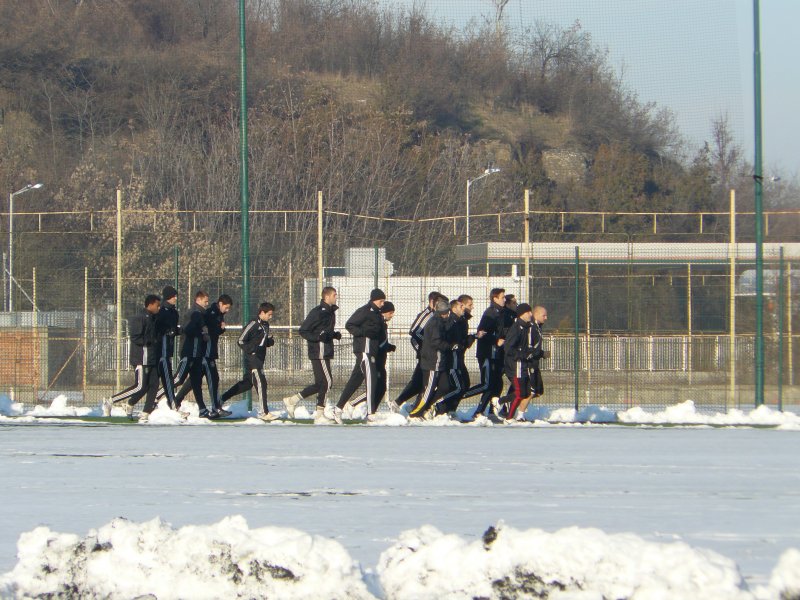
577, 347
781, 309
245, 179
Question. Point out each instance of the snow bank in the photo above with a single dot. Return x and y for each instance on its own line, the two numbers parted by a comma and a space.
225, 560
685, 413
228, 560
9, 408
571, 563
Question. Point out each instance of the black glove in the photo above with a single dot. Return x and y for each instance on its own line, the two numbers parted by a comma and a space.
470, 340
270, 342
390, 348
336, 335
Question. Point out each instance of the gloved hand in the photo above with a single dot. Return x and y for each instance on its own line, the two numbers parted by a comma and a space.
337, 335
390, 348
270, 342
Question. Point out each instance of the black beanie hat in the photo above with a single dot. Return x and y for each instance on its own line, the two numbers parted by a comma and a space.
376, 294
168, 292
523, 308
387, 307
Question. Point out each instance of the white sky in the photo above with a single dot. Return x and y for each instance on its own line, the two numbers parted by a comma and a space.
693, 57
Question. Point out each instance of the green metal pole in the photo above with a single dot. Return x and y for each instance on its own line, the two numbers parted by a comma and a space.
376, 267
244, 177
781, 310
177, 279
759, 211
576, 351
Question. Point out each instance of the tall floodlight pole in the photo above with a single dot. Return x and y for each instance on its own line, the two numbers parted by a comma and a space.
759, 211
486, 173
27, 188
244, 177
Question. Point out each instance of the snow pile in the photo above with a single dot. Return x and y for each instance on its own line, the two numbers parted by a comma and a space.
9, 408
686, 413
785, 580
571, 563
226, 560
58, 408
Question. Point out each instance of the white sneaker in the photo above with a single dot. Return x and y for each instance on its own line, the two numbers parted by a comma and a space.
290, 402
129, 411
144, 417
393, 406
496, 406
337, 416
106, 407
320, 418
430, 414
373, 418
267, 417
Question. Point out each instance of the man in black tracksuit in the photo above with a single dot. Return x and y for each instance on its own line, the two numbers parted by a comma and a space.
254, 341
517, 358
215, 324
414, 387
458, 334
318, 331
490, 336
195, 337
167, 329
143, 358
366, 327
435, 357
384, 348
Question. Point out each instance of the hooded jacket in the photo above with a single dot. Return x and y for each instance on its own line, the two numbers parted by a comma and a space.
492, 324
366, 327
435, 351
214, 318
144, 342
194, 330
517, 349
167, 329
318, 330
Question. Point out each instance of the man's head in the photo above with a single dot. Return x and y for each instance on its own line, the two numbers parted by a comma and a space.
498, 296
467, 301
540, 314
377, 297
524, 312
457, 307
442, 307
265, 311
169, 295
224, 302
152, 303
387, 311
201, 298
329, 295
510, 301
432, 298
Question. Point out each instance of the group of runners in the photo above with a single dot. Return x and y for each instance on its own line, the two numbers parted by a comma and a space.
508, 339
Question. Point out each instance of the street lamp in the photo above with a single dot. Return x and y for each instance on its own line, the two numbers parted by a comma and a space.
27, 188
486, 173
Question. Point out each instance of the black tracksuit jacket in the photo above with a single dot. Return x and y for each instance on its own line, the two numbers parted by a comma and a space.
254, 341
492, 324
535, 344
144, 341
435, 351
415, 331
458, 334
193, 330
517, 349
317, 330
167, 329
366, 326
214, 319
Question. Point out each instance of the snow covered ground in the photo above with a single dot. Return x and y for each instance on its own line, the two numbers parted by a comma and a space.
580, 510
